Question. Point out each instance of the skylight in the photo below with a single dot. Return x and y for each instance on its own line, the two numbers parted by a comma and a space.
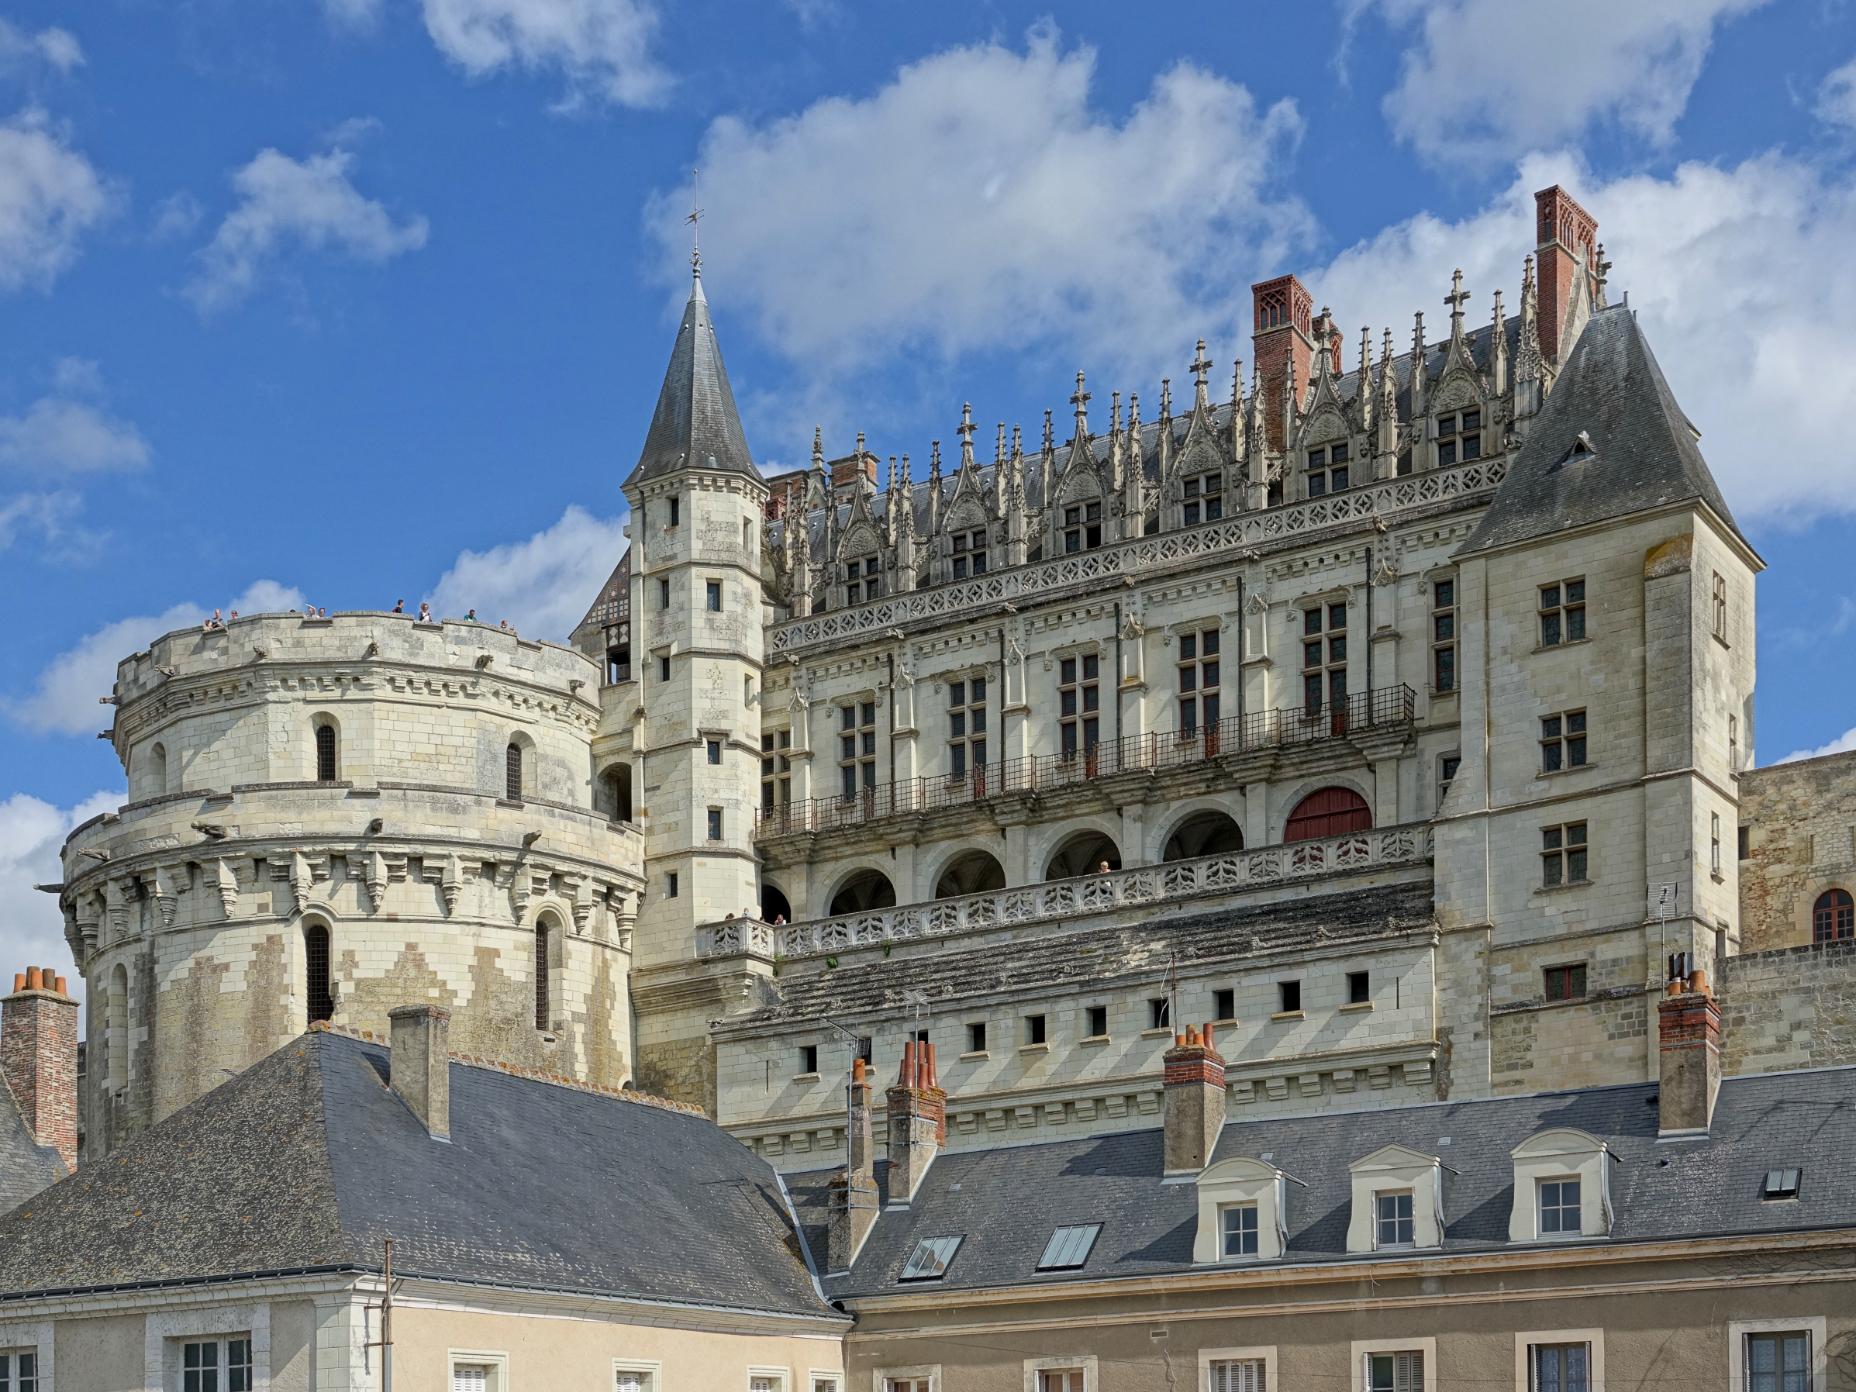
930, 1259
1068, 1248
1782, 1184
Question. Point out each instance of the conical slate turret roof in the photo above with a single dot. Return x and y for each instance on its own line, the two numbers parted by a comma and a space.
1610, 441
695, 425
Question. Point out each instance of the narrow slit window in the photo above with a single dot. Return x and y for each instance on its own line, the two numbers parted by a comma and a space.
325, 754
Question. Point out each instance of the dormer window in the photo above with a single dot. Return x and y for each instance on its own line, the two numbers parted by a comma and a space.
1327, 469
1397, 1201
1082, 527
1459, 437
863, 579
969, 553
1242, 1214
1561, 1187
1203, 496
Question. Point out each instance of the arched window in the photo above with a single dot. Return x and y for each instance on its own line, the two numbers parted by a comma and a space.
1084, 853
1833, 917
970, 872
512, 772
317, 992
1203, 833
116, 1031
325, 753
1328, 812
864, 891
157, 770
544, 934
773, 905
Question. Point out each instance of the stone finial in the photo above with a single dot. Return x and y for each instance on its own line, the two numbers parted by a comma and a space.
1200, 369
1080, 400
1457, 297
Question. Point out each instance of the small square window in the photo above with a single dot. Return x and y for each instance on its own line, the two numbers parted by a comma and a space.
808, 1058
1237, 1230
976, 1037
1781, 1184
1289, 996
1097, 1021
1563, 855
1034, 1029
1359, 988
1565, 983
1224, 1003
634, 1380
1559, 1208
712, 596
714, 749
1157, 1013
1393, 1222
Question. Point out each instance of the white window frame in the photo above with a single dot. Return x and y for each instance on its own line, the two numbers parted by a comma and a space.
1075, 1362
35, 1337
1593, 1339
1560, 1153
814, 1376
1362, 1348
1237, 1183
880, 1378
1266, 1352
487, 1357
651, 1368
782, 1377
163, 1334
1737, 1330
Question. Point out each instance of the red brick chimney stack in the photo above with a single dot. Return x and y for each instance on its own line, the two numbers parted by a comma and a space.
1568, 249
1282, 337
917, 1121
1194, 1112
38, 1057
1688, 1024
853, 1193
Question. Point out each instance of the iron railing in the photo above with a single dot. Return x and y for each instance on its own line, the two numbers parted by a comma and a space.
1387, 708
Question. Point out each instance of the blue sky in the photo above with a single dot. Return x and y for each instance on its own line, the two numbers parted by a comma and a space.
354, 300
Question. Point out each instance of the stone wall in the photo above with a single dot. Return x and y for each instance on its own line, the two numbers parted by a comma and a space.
1790, 1007
1799, 823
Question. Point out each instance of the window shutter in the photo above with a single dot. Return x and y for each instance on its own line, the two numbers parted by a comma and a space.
470, 1377
1408, 1373
1238, 1375
630, 1382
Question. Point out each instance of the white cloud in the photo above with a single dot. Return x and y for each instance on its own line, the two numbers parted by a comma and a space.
543, 585
31, 834
980, 196
50, 197
1836, 98
600, 48
1484, 78
63, 699
57, 49
353, 14
1842, 744
175, 216
1741, 276
288, 204
57, 435
49, 515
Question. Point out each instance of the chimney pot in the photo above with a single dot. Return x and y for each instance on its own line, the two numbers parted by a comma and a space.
419, 1065
1689, 1056
1194, 1112
61, 989
35, 979
19, 981
917, 1121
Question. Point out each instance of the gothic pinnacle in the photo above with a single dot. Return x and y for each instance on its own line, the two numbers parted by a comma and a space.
1200, 369
1080, 400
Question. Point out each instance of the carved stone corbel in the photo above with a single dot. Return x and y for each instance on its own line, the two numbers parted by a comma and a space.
225, 884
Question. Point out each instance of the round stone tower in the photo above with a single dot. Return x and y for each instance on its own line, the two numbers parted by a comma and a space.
328, 818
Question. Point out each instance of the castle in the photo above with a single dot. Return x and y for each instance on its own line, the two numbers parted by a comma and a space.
1392, 716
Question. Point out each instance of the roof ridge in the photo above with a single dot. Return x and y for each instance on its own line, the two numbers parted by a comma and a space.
517, 1070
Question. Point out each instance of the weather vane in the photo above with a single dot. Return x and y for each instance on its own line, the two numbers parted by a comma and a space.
695, 221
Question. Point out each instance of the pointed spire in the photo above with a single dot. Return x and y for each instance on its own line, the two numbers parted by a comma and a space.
1049, 444
1237, 410
1114, 413
965, 430
1498, 349
695, 425
1201, 369
1363, 385
1455, 299
1385, 424
934, 461
998, 445
1080, 400
1417, 364
1133, 472
1601, 269
1166, 398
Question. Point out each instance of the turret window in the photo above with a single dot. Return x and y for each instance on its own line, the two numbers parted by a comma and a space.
512, 772
776, 768
1459, 437
663, 593
1082, 527
1203, 498
676, 512
712, 596
969, 553
1328, 467
318, 992
325, 753
863, 579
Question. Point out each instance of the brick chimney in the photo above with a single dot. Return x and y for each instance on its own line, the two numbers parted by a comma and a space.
1194, 1112
420, 1066
854, 471
853, 1193
1282, 337
1568, 249
38, 1058
917, 1121
1688, 1025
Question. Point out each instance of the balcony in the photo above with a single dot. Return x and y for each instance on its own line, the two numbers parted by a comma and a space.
1389, 709
1144, 888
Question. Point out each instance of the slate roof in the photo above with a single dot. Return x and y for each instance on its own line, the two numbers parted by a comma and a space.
696, 425
308, 1161
25, 1166
963, 971
1006, 1202
1644, 455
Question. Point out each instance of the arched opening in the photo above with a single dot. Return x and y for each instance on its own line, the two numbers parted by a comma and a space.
327, 767
970, 872
1085, 853
864, 891
1328, 812
512, 772
157, 776
774, 907
547, 939
116, 1030
615, 792
1833, 917
318, 987
1210, 832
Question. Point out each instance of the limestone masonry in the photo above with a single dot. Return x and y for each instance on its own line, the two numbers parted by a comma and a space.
1391, 710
